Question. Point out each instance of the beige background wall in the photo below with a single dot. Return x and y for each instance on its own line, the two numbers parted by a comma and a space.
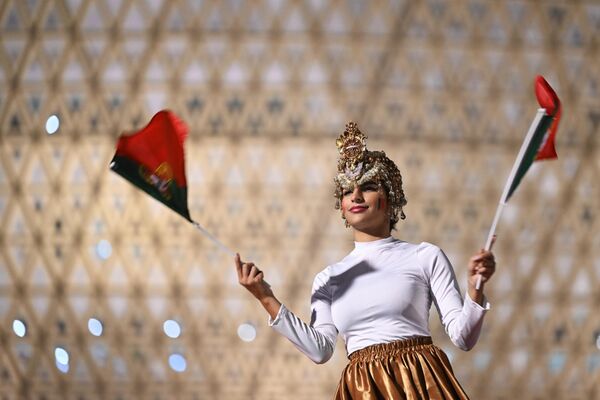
445, 87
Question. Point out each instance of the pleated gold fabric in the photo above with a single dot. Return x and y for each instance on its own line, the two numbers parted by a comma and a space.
406, 369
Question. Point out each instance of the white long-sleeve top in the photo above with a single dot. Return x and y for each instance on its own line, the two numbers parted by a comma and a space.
381, 292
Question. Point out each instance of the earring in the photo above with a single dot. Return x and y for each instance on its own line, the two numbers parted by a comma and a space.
345, 221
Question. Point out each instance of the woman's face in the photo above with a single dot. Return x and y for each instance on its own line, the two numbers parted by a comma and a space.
366, 207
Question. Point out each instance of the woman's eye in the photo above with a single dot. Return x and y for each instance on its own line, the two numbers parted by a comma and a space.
347, 192
369, 188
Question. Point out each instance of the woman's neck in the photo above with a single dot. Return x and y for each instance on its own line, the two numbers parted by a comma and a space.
370, 235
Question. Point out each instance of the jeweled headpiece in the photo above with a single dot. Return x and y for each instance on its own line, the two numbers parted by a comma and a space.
357, 166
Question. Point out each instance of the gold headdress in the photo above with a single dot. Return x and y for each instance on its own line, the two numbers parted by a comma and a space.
357, 166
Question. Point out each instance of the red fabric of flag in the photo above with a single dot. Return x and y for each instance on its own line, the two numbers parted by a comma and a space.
153, 160
548, 100
159, 142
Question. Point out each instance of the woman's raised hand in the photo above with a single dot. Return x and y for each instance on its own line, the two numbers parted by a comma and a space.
481, 264
250, 277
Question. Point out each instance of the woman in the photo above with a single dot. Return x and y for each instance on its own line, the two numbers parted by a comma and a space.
378, 297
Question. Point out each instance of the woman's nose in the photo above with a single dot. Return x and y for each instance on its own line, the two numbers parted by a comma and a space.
357, 196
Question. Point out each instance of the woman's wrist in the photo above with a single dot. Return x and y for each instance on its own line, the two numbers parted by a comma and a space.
476, 295
271, 304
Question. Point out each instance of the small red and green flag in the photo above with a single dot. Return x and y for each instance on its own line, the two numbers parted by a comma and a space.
152, 159
539, 142
538, 145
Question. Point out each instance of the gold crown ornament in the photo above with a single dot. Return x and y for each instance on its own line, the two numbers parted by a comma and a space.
357, 166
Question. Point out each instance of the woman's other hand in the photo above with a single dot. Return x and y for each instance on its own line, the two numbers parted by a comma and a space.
250, 277
481, 264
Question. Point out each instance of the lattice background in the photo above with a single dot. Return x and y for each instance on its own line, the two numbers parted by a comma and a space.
445, 87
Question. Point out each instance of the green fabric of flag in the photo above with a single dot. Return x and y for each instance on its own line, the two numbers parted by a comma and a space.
531, 153
152, 159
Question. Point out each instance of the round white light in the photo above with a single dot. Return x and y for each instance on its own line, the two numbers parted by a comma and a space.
61, 356
95, 326
177, 362
19, 328
64, 368
172, 328
103, 249
247, 332
52, 124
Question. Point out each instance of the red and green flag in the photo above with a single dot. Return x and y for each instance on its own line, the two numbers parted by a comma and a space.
152, 159
538, 145
539, 142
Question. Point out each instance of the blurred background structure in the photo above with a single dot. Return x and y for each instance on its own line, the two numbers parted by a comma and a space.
107, 294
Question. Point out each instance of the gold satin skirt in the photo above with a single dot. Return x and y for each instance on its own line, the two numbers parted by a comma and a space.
406, 369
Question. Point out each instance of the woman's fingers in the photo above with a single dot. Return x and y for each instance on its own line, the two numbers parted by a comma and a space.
253, 272
477, 257
238, 266
247, 272
483, 258
484, 255
486, 268
242, 268
246, 267
483, 264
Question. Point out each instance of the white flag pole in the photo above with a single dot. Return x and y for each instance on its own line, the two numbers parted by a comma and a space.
213, 239
541, 112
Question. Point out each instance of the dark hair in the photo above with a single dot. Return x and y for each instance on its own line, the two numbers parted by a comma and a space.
393, 221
